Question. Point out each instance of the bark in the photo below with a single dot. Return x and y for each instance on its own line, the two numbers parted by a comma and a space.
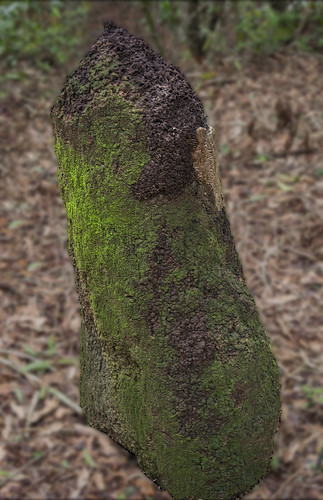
175, 364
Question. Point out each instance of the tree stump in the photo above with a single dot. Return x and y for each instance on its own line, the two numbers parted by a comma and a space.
175, 364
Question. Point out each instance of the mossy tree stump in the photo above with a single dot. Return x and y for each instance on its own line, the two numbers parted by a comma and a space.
175, 364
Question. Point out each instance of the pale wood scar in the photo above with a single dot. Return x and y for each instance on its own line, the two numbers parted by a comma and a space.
206, 165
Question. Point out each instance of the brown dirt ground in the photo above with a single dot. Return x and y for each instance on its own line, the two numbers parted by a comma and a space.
269, 119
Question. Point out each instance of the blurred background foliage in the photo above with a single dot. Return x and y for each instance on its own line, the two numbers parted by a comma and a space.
48, 33
40, 34
207, 28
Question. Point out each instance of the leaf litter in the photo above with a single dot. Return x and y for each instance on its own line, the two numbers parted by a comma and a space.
268, 115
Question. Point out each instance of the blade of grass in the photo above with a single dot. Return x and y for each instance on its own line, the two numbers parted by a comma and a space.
89, 460
37, 366
65, 399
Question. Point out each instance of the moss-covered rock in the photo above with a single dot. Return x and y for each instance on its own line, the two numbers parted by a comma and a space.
175, 364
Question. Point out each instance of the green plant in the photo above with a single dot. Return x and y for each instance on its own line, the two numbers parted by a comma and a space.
244, 26
314, 395
42, 34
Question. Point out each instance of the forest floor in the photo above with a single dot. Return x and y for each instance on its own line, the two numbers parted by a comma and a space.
269, 120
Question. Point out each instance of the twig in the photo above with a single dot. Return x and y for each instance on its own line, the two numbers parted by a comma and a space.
217, 81
32, 407
18, 354
308, 363
17, 368
294, 153
301, 253
263, 266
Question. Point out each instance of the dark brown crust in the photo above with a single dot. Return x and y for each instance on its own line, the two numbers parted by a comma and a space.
171, 110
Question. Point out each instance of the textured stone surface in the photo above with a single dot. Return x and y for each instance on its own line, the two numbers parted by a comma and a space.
175, 364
